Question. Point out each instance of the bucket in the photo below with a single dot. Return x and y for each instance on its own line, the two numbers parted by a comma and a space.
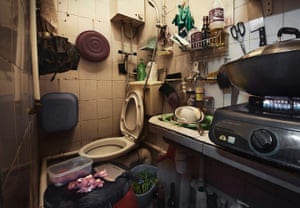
145, 199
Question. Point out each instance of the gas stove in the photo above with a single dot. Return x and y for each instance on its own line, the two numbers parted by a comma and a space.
269, 133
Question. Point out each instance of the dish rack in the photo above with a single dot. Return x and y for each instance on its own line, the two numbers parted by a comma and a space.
209, 48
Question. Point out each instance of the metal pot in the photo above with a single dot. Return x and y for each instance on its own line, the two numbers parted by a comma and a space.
189, 115
272, 70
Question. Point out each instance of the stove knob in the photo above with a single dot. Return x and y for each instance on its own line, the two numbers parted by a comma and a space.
263, 141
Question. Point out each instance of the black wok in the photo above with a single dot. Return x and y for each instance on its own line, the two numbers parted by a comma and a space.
272, 70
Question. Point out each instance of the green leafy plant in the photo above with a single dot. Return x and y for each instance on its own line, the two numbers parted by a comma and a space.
146, 182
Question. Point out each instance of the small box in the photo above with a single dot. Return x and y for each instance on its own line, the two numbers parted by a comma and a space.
66, 171
153, 98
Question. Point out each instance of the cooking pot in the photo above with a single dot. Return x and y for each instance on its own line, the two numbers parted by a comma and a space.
189, 115
272, 70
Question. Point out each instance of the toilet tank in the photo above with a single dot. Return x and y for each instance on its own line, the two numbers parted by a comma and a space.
153, 98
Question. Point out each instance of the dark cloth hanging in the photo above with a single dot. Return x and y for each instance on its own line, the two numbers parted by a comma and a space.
55, 53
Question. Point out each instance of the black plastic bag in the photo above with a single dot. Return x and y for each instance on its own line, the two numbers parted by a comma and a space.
56, 55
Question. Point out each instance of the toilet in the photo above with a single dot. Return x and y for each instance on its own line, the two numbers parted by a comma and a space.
131, 126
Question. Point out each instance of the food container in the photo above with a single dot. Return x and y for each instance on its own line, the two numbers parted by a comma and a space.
66, 171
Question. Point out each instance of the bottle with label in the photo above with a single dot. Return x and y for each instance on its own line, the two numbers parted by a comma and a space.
171, 203
216, 21
151, 71
141, 71
182, 93
191, 96
199, 93
201, 196
205, 32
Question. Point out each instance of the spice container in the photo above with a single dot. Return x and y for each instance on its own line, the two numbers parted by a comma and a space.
199, 93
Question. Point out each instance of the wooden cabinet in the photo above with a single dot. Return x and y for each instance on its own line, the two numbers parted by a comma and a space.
129, 11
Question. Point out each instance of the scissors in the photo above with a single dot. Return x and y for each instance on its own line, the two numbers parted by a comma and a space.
238, 32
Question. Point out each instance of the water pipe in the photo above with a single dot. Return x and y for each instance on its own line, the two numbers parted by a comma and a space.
141, 155
34, 54
153, 4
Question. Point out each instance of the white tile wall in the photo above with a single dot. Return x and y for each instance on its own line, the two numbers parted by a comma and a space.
105, 127
89, 130
88, 89
69, 86
88, 110
104, 89
104, 108
99, 86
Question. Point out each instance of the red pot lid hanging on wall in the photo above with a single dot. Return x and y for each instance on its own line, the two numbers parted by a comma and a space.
92, 46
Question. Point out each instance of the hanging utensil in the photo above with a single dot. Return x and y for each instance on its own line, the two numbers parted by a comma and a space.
238, 32
256, 20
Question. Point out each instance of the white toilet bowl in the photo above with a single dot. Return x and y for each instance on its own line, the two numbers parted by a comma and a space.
131, 125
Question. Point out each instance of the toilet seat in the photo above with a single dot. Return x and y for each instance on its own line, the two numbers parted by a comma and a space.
132, 115
131, 126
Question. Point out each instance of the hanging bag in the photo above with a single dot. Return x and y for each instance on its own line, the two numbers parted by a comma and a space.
55, 53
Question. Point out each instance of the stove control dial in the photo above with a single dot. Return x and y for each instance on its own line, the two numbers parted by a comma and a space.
263, 141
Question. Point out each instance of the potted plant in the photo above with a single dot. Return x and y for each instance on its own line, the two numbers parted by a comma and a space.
145, 188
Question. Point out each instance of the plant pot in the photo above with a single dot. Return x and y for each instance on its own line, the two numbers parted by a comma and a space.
145, 199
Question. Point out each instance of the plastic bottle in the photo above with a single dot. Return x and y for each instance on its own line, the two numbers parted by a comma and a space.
171, 201
153, 76
201, 196
141, 71
199, 93
205, 33
216, 18
182, 93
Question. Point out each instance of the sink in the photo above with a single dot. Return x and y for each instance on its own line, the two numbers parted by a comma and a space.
169, 118
167, 122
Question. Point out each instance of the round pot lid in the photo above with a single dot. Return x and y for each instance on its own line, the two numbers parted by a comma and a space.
92, 46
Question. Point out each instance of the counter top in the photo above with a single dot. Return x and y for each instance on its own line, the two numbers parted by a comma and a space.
201, 143
193, 134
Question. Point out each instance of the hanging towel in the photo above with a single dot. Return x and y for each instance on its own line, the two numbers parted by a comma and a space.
48, 14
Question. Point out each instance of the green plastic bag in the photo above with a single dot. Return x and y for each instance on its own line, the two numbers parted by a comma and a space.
183, 20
